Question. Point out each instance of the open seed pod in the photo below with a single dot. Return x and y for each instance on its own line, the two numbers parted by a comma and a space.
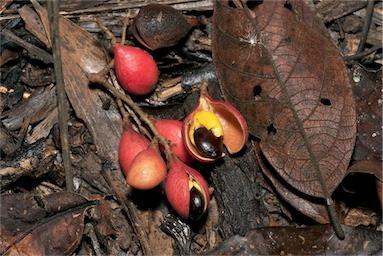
160, 26
212, 125
186, 190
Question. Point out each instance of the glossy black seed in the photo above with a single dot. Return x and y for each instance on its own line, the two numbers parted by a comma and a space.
209, 145
197, 204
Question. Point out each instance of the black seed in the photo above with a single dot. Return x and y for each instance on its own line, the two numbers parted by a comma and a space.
197, 204
209, 145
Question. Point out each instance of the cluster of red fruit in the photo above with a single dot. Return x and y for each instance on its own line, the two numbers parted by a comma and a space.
145, 168
201, 136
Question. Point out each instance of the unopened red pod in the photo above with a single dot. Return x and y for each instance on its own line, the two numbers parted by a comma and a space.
136, 69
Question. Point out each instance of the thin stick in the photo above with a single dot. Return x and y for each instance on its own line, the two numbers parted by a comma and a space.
93, 238
33, 50
53, 14
366, 25
109, 35
125, 26
362, 54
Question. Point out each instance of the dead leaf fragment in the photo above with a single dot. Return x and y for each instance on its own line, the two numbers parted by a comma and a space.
309, 206
372, 167
50, 225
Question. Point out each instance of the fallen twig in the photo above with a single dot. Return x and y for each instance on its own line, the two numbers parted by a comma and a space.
53, 7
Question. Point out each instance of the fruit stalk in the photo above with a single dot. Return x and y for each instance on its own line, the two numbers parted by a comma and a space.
100, 78
96, 78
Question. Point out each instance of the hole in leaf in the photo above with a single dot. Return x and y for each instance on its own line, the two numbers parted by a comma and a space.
288, 5
253, 4
257, 91
325, 102
271, 129
232, 4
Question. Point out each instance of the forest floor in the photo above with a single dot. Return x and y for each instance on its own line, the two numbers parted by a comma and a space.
101, 214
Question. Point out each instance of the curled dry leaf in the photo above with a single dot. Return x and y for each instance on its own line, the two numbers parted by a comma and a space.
308, 206
56, 228
372, 167
279, 69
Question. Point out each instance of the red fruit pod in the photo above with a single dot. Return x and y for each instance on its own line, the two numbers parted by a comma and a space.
172, 131
136, 69
186, 190
147, 170
131, 144
211, 125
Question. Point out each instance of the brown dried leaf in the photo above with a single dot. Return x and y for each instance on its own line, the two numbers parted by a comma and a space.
50, 225
372, 167
367, 166
356, 217
277, 66
103, 216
